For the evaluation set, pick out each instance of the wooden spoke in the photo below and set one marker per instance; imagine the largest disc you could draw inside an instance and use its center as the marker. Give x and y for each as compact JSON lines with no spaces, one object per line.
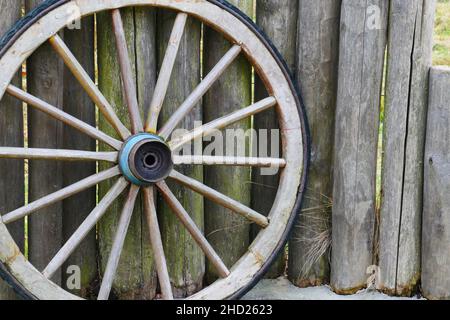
{"x":223,"y":122}
{"x":166,"y":72}
{"x":230,"y":161}
{"x":157,"y":245}
{"x":60,"y":195}
{"x":128,"y":81}
{"x":89,"y":86}
{"x":189,"y":224}
{"x":85,"y":228}
{"x":200,"y":91}
{"x":63,"y":117}
{"x":56,"y":154}
{"x":119,"y":239}
{"x":221,"y":199}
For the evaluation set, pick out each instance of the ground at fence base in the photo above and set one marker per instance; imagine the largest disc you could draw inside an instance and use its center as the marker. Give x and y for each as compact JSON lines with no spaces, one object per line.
{"x":283,"y":289}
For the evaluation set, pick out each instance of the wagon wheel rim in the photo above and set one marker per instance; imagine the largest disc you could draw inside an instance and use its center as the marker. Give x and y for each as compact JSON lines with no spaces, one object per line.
{"x":281,"y":96}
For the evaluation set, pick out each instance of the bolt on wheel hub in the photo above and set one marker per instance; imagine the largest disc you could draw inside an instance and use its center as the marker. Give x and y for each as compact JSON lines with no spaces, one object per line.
{"x":145,"y":159}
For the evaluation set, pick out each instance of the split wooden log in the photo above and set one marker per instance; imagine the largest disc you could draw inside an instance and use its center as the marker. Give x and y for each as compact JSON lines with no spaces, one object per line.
{"x":409,"y":59}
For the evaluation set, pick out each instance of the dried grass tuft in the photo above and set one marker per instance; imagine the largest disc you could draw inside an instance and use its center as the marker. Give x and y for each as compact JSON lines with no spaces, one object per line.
{"x":316,"y":231}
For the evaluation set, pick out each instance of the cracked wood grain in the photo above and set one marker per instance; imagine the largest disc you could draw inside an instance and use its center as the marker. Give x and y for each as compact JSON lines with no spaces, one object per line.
{"x":409,"y":59}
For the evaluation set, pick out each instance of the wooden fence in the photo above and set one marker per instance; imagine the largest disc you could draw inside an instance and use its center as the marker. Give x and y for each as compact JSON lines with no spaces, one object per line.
{"x":363,"y":69}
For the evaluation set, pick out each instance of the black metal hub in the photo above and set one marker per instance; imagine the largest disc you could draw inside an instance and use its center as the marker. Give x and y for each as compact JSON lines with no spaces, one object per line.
{"x":151,"y":161}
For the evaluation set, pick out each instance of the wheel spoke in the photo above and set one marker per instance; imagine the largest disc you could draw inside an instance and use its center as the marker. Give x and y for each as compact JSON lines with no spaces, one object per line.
{"x":189,"y":224}
{"x":221,"y":199}
{"x":87,"y":225}
{"x":129,"y":84}
{"x":60,"y":195}
{"x":157,"y":245}
{"x":200,"y":91}
{"x":89,"y":86}
{"x":56,"y":154}
{"x":63,"y":117}
{"x":230,"y":161}
{"x":223,"y":122}
{"x":166,"y":72}
{"x":119,"y":239}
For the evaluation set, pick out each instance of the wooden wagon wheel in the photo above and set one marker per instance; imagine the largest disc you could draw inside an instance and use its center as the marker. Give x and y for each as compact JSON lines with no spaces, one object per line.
{"x":143,"y":157}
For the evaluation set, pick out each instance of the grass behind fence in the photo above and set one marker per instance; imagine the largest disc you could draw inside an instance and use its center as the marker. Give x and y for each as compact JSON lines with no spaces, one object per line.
{"x":441,"y":49}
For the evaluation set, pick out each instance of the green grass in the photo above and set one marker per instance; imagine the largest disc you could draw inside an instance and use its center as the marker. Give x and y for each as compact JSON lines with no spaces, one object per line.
{"x":441,"y":49}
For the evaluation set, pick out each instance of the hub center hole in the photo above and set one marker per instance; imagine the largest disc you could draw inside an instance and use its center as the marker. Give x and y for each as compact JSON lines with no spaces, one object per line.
{"x":150,"y":160}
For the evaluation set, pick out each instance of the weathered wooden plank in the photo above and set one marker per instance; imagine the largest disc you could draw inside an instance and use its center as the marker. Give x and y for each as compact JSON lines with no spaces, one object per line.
{"x":409,"y":59}
{"x":436,"y":220}
{"x":12,"y":190}
{"x":44,"y":80}
{"x":186,"y":261}
{"x":136,"y":277}
{"x":77,"y":208}
{"x":278,"y":19}
{"x":361,"y":59}
{"x":228,"y":233}
{"x":317,"y":57}
{"x":146,"y":71}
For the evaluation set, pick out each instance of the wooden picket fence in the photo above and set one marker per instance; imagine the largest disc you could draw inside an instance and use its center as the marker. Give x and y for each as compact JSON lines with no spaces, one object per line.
{"x":369,"y":210}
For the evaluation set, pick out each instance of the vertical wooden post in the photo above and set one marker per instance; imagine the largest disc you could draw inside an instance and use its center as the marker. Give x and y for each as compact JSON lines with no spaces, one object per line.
{"x":409,"y":59}
{"x":228,"y":233}
{"x":44,"y":80}
{"x":186,"y":261}
{"x":436,"y":218}
{"x":146,"y":72}
{"x":362,"y":47}
{"x":136,"y":277}
{"x":80,"y":40}
{"x":278,"y":20}
{"x":317,"y":58}
{"x":12,"y":189}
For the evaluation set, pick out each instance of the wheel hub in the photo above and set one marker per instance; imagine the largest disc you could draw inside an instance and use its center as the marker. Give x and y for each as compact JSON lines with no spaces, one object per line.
{"x":145,"y":159}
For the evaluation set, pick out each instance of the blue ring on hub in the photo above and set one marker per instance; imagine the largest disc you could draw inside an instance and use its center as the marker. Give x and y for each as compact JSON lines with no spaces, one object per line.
{"x":125,"y":154}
